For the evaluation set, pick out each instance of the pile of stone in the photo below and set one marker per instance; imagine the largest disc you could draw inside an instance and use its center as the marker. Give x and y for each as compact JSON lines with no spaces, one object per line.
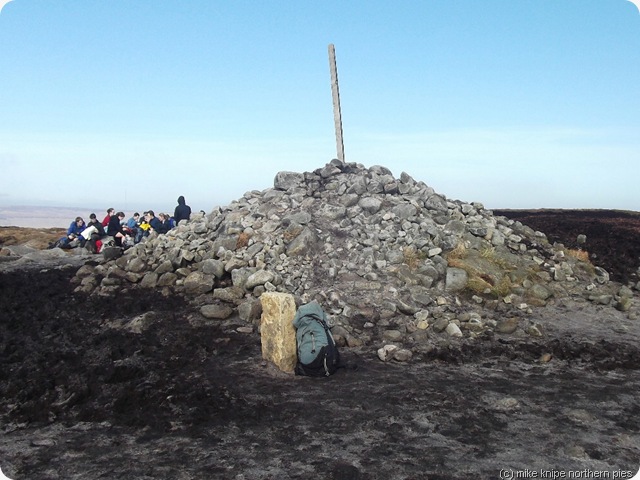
{"x":391,"y":261}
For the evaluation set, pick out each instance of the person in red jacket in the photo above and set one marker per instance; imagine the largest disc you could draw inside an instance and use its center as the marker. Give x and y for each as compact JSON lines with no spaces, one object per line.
{"x":105,"y":221}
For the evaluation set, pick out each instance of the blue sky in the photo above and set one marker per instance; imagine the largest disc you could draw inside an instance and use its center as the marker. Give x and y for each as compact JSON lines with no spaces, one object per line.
{"x":129,"y":104}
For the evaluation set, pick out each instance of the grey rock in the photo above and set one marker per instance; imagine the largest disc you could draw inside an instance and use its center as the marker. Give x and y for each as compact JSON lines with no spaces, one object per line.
{"x":215,"y":311}
{"x":250,"y":310}
{"x":150,"y":280}
{"x":258,"y":278}
{"x":370,"y":205}
{"x":456,"y":279}
{"x":303,"y":243}
{"x":540,"y":292}
{"x":392,"y":335}
{"x":198,"y":283}
{"x":213,"y":267}
{"x":402,"y":355}
{"x":453,"y":330}
{"x":508,"y":325}
{"x":288,"y":180}
{"x":232,"y":294}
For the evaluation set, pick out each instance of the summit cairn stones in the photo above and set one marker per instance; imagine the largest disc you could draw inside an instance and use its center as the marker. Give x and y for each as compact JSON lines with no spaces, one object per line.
{"x":380,"y":254}
{"x":277,"y":334}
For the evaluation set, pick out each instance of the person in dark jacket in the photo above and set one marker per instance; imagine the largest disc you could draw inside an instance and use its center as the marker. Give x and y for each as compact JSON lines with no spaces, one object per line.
{"x":182,"y":211}
{"x":96,"y":233}
{"x":114,"y":228}
{"x":154,"y":223}
{"x":165,"y":223}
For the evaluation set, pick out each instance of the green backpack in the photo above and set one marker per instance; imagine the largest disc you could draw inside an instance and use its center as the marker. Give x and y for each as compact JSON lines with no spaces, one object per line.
{"x":318,"y":355}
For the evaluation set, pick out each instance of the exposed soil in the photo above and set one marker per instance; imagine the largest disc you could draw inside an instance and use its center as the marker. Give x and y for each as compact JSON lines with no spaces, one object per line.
{"x":141,"y":387}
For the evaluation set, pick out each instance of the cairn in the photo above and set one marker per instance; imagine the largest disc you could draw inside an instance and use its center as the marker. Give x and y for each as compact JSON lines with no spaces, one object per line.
{"x":391,"y":261}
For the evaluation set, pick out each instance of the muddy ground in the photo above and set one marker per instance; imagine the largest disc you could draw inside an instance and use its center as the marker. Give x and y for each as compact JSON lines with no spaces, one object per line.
{"x":139,"y":387}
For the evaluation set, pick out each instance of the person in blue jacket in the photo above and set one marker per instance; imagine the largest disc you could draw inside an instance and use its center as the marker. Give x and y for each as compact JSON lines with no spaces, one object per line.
{"x":73,"y":234}
{"x":76,"y":227}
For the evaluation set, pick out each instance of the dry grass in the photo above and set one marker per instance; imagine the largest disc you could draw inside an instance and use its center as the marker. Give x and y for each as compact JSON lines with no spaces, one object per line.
{"x":243,"y":240}
{"x":488,"y":272}
{"x":581,"y":255}
{"x":460,"y":251}
{"x":412,"y":256}
{"x":34,"y":237}
{"x":291,"y":232}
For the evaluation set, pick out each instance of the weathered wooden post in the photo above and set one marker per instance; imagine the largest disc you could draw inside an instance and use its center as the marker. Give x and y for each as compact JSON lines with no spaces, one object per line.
{"x":335,"y":91}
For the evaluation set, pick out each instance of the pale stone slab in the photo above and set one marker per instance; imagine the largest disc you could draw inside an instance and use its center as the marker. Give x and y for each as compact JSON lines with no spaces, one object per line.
{"x":277,"y":334}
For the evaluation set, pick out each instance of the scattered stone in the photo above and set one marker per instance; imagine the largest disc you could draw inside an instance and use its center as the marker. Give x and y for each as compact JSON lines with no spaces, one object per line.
{"x":216,"y":311}
{"x":456,"y":279}
{"x":402,"y":355}
{"x":534,"y":330}
{"x":623,"y":304}
{"x":453,"y":330}
{"x":198,"y":283}
{"x":507,"y":404}
{"x":508,"y":325}
{"x":392,"y":335}
{"x":386,"y":353}
{"x":545,"y":358}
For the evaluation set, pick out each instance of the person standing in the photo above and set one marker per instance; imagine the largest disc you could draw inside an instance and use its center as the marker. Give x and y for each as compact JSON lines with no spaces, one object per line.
{"x":182,"y":211}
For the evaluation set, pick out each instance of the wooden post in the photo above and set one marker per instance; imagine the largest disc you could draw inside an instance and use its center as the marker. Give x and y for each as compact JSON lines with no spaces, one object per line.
{"x":337,"y":115}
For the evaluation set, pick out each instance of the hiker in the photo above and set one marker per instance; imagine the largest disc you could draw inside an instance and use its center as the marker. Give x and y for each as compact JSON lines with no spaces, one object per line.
{"x":165,"y":223}
{"x":143,"y":229}
{"x":93,"y":234}
{"x":154,"y":223}
{"x":114,"y":228}
{"x":132,"y":224}
{"x":182,"y":211}
{"x":105,"y":220}
{"x":73,"y":232}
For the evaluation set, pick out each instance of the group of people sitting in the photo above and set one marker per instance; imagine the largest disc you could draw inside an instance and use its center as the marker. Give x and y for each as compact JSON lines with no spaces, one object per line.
{"x":114,"y":230}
